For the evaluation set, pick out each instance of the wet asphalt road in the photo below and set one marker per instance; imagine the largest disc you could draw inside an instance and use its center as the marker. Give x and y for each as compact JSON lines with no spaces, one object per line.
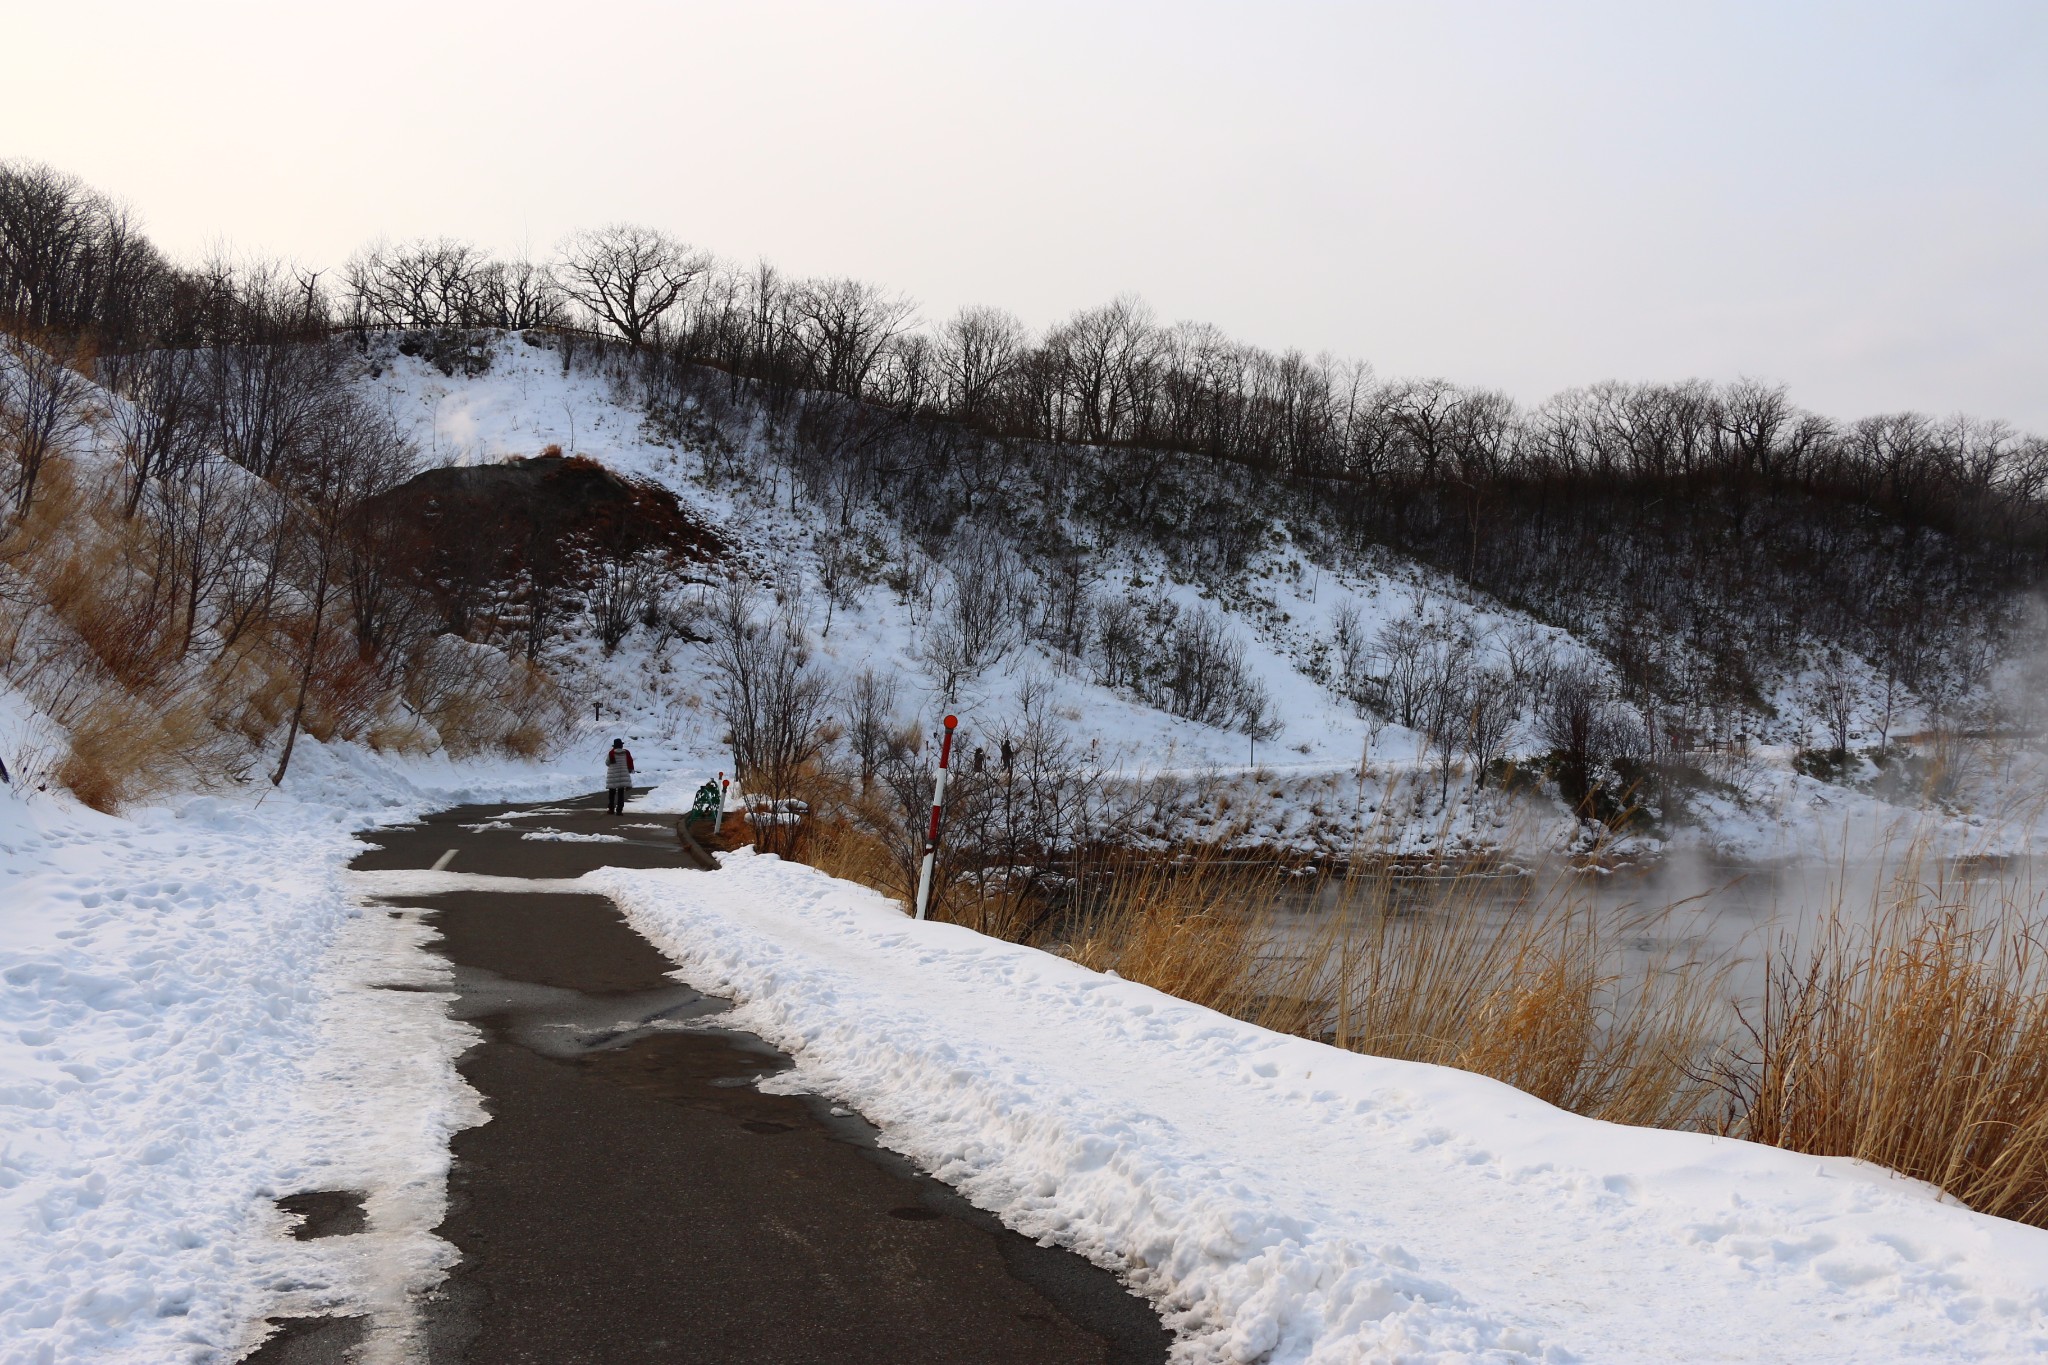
{"x":634,"y":1198}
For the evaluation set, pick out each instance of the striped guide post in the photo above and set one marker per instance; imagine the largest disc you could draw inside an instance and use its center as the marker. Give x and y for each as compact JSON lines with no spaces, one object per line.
{"x":718,"y":820}
{"x":931,"y":834}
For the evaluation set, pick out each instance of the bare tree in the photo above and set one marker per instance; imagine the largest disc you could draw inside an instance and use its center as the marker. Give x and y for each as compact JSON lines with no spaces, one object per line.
{"x":845,"y":327}
{"x":872,"y":730}
{"x":977,"y":622}
{"x":1585,"y":730}
{"x":1120,"y":643}
{"x":1493,"y":704}
{"x":839,"y":573}
{"x":1531,"y":656}
{"x":625,"y":587}
{"x":1066,"y":606}
{"x":519,"y":294}
{"x":209,"y":527}
{"x":45,"y":224}
{"x":978,"y":352}
{"x":1444,"y":716}
{"x":1891,"y":696}
{"x":1417,"y":666}
{"x":259,"y":527}
{"x":1257,"y":718}
{"x":39,"y":397}
{"x":380,"y":563}
{"x":1347,"y":635}
{"x":1103,"y":359}
{"x":264,"y":402}
{"x":427,"y":284}
{"x":775,"y":704}
{"x":1204,"y":677}
{"x":161,"y":423}
{"x":73,"y":261}
{"x":907,"y":378}
{"x":356,"y":455}
{"x":1833,"y":696}
{"x":629,"y":277}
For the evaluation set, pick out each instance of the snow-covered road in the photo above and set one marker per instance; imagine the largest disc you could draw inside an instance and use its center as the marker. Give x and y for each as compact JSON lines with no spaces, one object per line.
{"x":1287,"y":1201}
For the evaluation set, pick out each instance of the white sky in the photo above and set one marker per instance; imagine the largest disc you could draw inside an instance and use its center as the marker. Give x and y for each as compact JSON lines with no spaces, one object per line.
{"x":1852,"y":198}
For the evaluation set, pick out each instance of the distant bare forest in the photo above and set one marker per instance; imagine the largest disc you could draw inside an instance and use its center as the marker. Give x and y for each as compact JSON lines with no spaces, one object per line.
{"x":1708,"y":538}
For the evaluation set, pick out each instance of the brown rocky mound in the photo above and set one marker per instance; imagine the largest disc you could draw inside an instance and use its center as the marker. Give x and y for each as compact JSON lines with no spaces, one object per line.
{"x":484,"y":537}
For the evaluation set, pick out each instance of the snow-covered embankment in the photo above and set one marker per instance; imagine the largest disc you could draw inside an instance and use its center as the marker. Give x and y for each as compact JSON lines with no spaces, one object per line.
{"x":1286,"y":1201}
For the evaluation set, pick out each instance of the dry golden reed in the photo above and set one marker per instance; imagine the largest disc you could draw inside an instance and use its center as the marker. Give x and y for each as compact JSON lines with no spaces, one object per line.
{"x":88,"y":634}
{"x":1912,"y":1032}
{"x":1429,"y":969}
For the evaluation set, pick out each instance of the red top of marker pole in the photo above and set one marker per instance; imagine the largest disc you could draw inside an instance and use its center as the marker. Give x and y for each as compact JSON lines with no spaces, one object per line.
{"x":952,"y":721}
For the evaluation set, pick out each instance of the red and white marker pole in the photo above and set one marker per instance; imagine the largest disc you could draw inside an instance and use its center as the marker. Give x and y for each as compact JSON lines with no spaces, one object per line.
{"x":931,"y":834}
{"x":718,"y":820}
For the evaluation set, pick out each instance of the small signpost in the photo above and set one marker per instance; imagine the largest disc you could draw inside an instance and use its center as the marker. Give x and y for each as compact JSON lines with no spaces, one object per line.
{"x":718,"y":820}
{"x":931,"y":836}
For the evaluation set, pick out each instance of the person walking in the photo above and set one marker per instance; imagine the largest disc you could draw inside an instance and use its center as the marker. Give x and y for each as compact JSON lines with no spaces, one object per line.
{"x":618,"y":777}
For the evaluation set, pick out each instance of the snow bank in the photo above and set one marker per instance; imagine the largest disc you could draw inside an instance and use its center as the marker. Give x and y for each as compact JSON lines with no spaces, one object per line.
{"x":1285,"y":1201}
{"x":189,"y":1027}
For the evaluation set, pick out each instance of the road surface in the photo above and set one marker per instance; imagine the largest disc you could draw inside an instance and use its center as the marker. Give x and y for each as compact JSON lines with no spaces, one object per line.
{"x":634,"y":1198}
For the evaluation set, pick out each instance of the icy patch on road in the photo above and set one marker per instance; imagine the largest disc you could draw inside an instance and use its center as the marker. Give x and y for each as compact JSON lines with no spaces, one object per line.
{"x":564,"y":836}
{"x":406,"y":882}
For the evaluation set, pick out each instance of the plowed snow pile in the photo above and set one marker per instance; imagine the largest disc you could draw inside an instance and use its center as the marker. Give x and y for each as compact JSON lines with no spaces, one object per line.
{"x":193,"y":1021}
{"x":1286,"y":1201}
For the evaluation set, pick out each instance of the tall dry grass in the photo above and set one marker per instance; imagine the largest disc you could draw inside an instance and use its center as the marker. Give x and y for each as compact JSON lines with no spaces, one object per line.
{"x":1535,"y":993}
{"x":1908,"y":1028}
{"x":1542,"y":994}
{"x":81,"y":636}
{"x":88,"y":634}
{"x":1910,"y":1031}
{"x":126,"y":748}
{"x":1201,"y":928}
{"x":850,"y":849}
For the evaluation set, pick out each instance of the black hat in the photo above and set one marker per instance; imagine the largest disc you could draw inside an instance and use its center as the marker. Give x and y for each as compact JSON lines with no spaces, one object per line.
{"x":618,"y":744}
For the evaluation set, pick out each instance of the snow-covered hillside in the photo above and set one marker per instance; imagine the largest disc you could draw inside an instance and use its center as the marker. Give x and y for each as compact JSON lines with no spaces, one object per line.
{"x":1333,"y":777}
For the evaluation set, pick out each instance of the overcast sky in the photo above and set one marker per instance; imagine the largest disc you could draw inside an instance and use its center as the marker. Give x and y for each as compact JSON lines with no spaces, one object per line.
{"x":1851,"y":198}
